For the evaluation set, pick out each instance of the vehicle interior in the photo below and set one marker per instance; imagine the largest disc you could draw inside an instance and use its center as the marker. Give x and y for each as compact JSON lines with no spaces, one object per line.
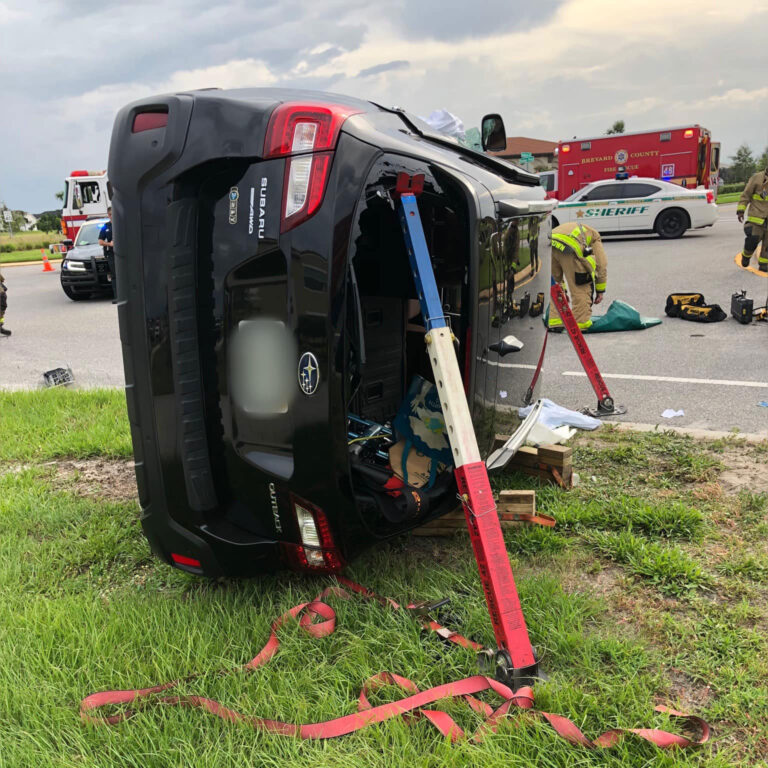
{"x":393,"y":409}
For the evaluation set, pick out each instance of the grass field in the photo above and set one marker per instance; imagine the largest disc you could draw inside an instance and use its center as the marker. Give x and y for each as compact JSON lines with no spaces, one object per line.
{"x":20,"y":239}
{"x":729,"y":197}
{"x":33,"y":255}
{"x":653,"y":588}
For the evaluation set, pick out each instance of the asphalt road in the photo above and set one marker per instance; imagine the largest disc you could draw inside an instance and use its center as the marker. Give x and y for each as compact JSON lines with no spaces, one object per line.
{"x":49,"y":331}
{"x":642,"y":271}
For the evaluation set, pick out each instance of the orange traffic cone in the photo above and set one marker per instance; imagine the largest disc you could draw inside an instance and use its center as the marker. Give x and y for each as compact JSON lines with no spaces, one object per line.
{"x":47,"y":266}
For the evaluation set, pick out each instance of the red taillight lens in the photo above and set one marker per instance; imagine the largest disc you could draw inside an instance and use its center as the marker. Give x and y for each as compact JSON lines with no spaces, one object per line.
{"x":305,"y":180}
{"x":317,"y":551}
{"x":299,"y":132}
{"x":148,"y":121}
{"x":710,"y":196}
{"x":304,"y":128}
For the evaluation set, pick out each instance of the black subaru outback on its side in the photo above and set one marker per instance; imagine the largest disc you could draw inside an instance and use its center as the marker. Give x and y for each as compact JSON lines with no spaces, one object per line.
{"x":269,"y":320}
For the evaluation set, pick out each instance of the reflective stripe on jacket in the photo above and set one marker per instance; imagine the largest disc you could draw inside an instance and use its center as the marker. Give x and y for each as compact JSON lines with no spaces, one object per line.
{"x":755,"y":196}
{"x":574,"y":238}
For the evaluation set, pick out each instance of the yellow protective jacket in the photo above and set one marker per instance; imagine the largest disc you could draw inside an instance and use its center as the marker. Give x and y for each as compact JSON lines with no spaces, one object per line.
{"x":755,"y":196}
{"x":574,"y":237}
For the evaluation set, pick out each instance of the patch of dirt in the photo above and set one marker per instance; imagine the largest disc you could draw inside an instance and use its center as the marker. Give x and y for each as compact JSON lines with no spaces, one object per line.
{"x":689,"y":695}
{"x":112,"y":479}
{"x":744,"y":475}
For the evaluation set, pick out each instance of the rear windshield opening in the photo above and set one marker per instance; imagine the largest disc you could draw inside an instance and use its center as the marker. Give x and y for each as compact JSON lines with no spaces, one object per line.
{"x":389,"y":372}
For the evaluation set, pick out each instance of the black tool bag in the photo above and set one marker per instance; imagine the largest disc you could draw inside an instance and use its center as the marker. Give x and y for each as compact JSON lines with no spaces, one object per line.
{"x":708,"y":313}
{"x":676,"y":300}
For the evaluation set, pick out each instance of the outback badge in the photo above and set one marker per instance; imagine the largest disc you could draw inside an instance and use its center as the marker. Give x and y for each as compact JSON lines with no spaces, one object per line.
{"x":309,"y":374}
{"x":234,"y":196}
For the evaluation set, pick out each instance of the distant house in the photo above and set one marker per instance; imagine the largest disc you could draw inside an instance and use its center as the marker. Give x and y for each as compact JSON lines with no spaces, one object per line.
{"x":543,"y":152}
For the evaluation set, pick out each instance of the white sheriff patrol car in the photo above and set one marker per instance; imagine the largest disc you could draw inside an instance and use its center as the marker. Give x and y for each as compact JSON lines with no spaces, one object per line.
{"x":637,"y":205}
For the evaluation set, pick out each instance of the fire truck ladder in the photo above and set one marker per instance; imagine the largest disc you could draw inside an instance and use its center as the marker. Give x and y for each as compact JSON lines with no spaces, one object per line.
{"x":515,"y":660}
{"x":605,"y":403}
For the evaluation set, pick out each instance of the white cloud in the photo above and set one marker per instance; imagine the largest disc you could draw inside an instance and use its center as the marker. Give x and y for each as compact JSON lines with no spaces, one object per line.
{"x":571,"y":69}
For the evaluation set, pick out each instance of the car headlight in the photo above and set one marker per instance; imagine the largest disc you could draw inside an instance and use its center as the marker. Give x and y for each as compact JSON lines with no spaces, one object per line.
{"x":73,"y":266}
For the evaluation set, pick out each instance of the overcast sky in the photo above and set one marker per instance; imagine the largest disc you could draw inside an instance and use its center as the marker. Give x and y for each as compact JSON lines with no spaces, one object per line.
{"x":553,"y":68}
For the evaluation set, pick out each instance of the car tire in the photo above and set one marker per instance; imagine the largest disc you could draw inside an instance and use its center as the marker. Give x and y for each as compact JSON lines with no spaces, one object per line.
{"x":73,"y":294}
{"x":672,"y":223}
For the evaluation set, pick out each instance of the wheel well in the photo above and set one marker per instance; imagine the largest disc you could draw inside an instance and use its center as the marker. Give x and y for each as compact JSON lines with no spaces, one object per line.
{"x":555,"y":222}
{"x":673,"y":208}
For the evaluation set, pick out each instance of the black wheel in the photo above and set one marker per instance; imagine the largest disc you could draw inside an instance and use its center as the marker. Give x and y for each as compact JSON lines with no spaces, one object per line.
{"x":74,"y":295}
{"x":671,"y":223}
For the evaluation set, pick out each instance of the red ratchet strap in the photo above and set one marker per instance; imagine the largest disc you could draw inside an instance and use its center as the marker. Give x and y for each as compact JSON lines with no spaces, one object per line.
{"x":318,"y":619}
{"x":579,"y":342}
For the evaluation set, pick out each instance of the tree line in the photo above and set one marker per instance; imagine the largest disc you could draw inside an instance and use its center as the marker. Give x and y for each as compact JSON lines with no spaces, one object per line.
{"x":744,"y":164}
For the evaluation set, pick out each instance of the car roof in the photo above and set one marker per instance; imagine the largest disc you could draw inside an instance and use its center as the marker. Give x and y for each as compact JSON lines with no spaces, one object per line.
{"x":642,"y":180}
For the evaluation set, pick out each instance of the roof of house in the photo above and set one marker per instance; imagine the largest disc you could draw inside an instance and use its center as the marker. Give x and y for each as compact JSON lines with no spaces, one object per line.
{"x":519,"y":144}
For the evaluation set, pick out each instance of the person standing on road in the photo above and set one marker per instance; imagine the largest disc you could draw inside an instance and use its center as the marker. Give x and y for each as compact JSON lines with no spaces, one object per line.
{"x":578,"y":256}
{"x":105,"y":241}
{"x":3,"y":306}
{"x":754,"y":204}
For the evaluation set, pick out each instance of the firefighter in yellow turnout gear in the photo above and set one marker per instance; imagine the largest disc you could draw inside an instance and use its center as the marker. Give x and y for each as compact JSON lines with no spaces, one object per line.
{"x":579,"y":257}
{"x":754,"y":205}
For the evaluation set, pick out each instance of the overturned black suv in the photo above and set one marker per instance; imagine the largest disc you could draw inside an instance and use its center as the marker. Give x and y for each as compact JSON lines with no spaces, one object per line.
{"x":269,"y":322}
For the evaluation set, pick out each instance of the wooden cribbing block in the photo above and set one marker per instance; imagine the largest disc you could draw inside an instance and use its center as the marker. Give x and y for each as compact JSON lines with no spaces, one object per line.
{"x":539,"y":462}
{"x":509,"y":502}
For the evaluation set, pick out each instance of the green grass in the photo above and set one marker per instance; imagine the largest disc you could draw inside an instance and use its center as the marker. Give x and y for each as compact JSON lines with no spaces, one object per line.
{"x":728,"y":197}
{"x":652,"y":589}
{"x":51,"y":423}
{"x":34,"y":255}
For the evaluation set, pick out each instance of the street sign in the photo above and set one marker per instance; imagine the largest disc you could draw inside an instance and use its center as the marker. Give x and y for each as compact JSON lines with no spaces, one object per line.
{"x":526,"y":157}
{"x":8,"y":216}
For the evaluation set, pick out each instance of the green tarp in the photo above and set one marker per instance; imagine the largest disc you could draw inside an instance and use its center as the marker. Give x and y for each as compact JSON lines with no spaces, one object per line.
{"x":619,"y":317}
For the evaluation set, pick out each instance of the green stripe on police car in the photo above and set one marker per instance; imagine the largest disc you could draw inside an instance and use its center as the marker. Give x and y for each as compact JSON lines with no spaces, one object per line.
{"x":635,"y":210}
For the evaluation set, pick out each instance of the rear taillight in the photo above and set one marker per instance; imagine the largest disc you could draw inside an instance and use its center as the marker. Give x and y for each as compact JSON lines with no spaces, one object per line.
{"x":317,"y":551}
{"x":300,"y":132}
{"x":149,"y":121}
{"x":710,"y":196}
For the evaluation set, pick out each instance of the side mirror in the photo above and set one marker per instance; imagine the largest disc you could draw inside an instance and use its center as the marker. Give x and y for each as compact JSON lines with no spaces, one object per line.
{"x":506,"y":345}
{"x":493,"y":133}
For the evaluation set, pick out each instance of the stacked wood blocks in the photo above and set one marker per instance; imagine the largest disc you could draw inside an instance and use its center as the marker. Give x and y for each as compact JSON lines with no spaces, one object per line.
{"x":553,"y":463}
{"x":509,"y":503}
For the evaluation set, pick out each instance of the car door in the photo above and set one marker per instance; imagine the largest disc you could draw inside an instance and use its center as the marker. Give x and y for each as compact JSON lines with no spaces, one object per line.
{"x":639,"y":206}
{"x":601,"y":206}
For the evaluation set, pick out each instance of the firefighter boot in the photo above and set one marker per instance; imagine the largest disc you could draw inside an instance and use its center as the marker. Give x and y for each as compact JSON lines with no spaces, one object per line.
{"x":763,"y":266}
{"x":4,"y":331}
{"x":745,"y":259}
{"x":538,"y":306}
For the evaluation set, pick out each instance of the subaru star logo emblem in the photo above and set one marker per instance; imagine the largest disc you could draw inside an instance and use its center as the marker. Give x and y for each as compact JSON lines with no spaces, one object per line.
{"x":309,"y":373}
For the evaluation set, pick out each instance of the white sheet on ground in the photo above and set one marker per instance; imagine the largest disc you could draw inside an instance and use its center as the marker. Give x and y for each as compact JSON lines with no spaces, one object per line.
{"x":553,"y":415}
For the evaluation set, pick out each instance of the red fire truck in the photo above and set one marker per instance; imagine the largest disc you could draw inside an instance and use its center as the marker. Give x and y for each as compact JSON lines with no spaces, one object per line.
{"x":86,"y":196}
{"x":686,"y":156}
